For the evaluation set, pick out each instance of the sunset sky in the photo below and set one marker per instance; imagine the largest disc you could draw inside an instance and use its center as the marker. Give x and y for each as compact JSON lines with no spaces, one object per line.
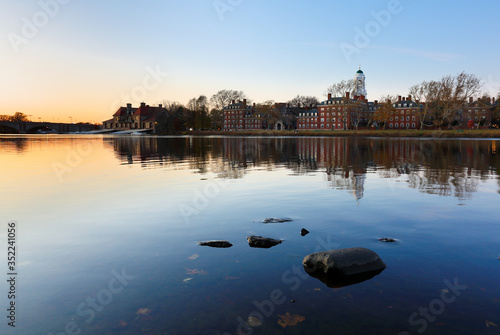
{"x":84,"y":58}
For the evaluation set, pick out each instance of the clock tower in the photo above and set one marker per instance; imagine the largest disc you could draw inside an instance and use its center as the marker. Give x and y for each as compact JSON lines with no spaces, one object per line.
{"x":359,"y":85}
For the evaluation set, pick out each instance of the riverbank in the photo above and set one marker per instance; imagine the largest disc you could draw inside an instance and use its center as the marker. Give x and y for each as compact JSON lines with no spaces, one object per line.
{"x":481,"y":133}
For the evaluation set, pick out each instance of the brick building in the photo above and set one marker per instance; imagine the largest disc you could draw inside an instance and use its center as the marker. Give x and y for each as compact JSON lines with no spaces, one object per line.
{"x":239,"y":116}
{"x":350,"y":111}
{"x":129,"y":118}
{"x":479,"y":111}
{"x":406,"y":114}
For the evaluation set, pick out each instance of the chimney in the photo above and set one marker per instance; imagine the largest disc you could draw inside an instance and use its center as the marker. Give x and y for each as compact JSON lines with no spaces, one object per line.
{"x":399,"y":98}
{"x":418,"y":102}
{"x":143,"y":104}
{"x":493,"y":100}
{"x":409,"y":97}
{"x":254,"y":104}
{"x":329,"y":96}
{"x":489,"y":100}
{"x":376,"y":102}
{"x":471,"y":100}
{"x":160,"y":105}
{"x":347,"y":95}
{"x":244,"y":102}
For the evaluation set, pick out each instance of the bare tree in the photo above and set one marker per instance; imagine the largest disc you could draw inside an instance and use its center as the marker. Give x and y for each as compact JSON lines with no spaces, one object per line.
{"x":339,"y":89}
{"x":454,"y":91}
{"x":385,"y":111}
{"x":303,"y":101}
{"x":269,"y":112}
{"x":19,"y":117}
{"x":223,"y":98}
{"x":427,"y":91}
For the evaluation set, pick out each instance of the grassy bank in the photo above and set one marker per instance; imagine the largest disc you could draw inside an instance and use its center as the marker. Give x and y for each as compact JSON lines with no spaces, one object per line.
{"x":483,"y":133}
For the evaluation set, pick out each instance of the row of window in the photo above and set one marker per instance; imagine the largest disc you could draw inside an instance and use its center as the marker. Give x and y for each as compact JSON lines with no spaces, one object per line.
{"x":323,"y":126}
{"x":397,"y":125}
{"x":128,"y":125}
{"x":396,"y":118}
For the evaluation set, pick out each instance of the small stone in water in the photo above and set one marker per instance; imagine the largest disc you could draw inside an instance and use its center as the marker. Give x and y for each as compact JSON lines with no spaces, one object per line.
{"x":387,"y":239}
{"x":254,"y":321}
{"x":304,"y":232}
{"x":276,"y":220}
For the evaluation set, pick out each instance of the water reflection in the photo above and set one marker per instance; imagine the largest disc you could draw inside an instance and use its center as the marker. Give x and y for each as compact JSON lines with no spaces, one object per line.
{"x":442,"y":167}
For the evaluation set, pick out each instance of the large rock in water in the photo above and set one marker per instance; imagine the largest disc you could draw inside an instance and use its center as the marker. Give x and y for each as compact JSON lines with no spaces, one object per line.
{"x":216,"y":244}
{"x":342,"y":267}
{"x":262,"y":242}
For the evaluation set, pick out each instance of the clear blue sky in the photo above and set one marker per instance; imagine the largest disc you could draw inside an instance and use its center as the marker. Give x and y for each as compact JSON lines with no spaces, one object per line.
{"x":86,"y":55}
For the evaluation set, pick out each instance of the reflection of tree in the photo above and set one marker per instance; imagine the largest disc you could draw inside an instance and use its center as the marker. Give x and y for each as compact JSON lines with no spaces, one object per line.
{"x":442,"y":167}
{"x":13,"y":144}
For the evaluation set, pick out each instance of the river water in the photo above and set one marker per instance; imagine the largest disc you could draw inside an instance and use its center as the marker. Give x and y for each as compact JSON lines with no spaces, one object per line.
{"x":107,"y":231}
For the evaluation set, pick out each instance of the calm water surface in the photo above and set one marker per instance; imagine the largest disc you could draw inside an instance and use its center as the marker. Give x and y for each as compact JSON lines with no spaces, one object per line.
{"x":108,"y":231}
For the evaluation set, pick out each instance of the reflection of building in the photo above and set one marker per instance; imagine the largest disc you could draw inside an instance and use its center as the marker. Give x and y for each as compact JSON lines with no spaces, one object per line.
{"x":127,"y":118}
{"x":359,"y":185}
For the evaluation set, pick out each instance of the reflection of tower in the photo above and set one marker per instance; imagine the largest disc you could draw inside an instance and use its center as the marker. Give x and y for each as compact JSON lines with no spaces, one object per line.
{"x":359,"y":84}
{"x":359,"y":185}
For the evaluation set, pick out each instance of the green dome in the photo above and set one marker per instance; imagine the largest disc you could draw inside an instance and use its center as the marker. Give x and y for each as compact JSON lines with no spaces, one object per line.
{"x":359,"y":71}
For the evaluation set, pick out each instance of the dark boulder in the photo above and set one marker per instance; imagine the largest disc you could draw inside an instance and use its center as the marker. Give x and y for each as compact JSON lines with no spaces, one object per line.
{"x":343,"y":267}
{"x":304,"y":232}
{"x":262,"y":242}
{"x":216,"y":244}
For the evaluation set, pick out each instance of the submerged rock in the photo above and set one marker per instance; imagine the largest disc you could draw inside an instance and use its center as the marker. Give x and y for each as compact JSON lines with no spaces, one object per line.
{"x":262,"y":242}
{"x":304,"y":232}
{"x":216,"y":244}
{"x":276,"y":220}
{"x":343,"y":267}
{"x":387,"y":239}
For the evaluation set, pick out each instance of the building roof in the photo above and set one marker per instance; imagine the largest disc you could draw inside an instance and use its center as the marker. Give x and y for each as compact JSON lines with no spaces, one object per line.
{"x":123,"y":111}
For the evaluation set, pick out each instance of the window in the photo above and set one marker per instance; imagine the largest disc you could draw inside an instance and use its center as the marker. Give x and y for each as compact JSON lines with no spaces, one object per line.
{"x":322,"y":125}
{"x":322,"y":119}
{"x":397,"y":118}
{"x":407,"y":118}
{"x":391,"y":118}
{"x":413,"y":125}
{"x":413,"y":118}
{"x":396,"y":125}
{"x":390,"y":125}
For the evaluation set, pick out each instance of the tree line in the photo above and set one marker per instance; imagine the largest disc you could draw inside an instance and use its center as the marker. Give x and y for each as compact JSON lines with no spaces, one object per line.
{"x":17,"y":117}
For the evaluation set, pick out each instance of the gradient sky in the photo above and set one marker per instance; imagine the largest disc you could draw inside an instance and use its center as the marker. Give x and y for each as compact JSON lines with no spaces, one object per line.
{"x":88,"y":57}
